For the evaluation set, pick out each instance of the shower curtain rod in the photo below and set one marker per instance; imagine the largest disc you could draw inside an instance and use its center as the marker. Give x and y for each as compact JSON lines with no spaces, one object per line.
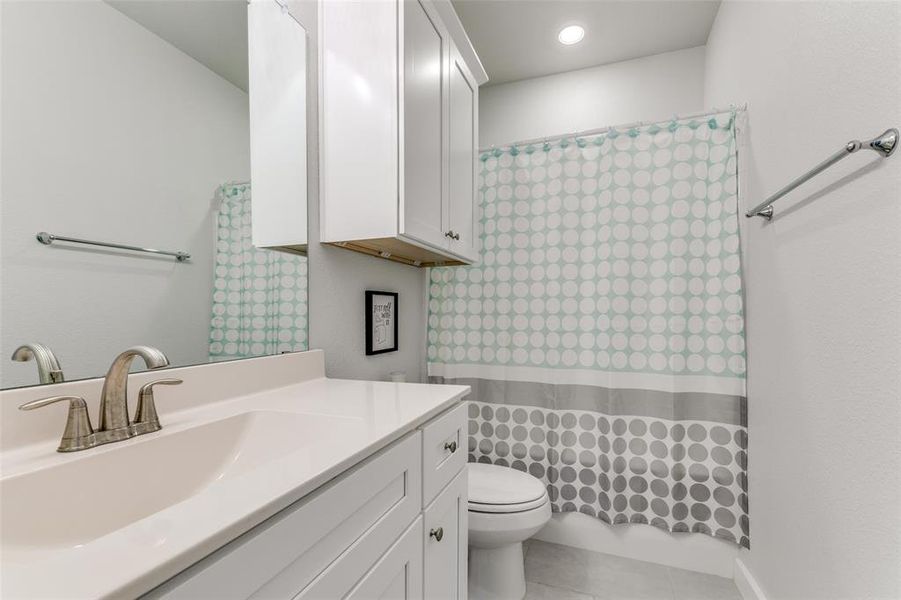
{"x":598,"y":131}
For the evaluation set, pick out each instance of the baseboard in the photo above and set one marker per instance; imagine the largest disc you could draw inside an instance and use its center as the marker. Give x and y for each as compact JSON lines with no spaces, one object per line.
{"x":745,"y":582}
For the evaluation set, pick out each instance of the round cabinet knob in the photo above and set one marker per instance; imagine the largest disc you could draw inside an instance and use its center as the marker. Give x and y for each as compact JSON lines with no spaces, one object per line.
{"x":449,"y":233}
{"x":456,"y":236}
{"x":452,"y":446}
{"x":437,"y":533}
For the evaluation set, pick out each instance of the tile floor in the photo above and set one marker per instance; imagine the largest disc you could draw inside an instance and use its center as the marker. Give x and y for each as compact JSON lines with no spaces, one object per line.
{"x":556,"y":572}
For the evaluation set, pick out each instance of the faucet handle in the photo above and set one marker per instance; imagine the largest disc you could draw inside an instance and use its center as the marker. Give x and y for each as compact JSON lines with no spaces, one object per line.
{"x":146,"y":419}
{"x":78,"y":434}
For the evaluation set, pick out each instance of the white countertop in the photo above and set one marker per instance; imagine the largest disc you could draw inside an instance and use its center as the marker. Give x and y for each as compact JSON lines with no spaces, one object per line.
{"x":133,"y":560}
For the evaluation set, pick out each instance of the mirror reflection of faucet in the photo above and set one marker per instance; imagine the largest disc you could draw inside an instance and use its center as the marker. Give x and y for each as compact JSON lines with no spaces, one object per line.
{"x":114,"y":425}
{"x":49,"y":369}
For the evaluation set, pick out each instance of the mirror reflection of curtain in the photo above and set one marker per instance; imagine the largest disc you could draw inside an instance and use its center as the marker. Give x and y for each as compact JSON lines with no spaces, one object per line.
{"x":602,"y":331}
{"x":259,"y":304}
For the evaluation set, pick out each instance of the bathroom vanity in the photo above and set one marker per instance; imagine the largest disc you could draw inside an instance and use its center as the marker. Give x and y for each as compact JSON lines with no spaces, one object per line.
{"x":267,"y":480}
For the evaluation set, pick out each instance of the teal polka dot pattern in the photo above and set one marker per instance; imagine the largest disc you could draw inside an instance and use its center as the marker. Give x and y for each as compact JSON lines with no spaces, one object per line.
{"x":618,"y":252}
{"x":259,"y":296}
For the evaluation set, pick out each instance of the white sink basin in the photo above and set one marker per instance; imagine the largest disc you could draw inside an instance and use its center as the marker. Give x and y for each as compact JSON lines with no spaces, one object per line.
{"x":73,"y":503}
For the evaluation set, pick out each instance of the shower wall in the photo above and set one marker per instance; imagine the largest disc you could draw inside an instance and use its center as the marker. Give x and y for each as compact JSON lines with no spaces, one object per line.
{"x":653,"y":87}
{"x":823,"y":283}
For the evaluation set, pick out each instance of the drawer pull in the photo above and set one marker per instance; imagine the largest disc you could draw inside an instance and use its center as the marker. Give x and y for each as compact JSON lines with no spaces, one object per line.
{"x":452,"y":446}
{"x":438,"y":534}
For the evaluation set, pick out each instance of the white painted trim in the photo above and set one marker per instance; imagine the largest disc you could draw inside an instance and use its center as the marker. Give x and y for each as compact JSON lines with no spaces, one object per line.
{"x":745,"y":582}
{"x":608,"y":379}
{"x":461,"y":39}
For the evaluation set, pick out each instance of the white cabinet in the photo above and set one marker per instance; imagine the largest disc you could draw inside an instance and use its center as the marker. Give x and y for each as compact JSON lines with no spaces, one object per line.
{"x":395,"y":572}
{"x":397,"y":575}
{"x":366,"y":534}
{"x":398,"y":131}
{"x":278,"y":127}
{"x":443,"y":451}
{"x":446,"y":539}
{"x":424,"y":109}
{"x":462,"y":135}
{"x":322,"y":543}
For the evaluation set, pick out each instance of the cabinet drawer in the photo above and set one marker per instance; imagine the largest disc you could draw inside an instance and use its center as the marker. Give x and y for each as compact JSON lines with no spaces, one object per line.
{"x":444,"y":564}
{"x":443,"y":451}
{"x":351,"y":520}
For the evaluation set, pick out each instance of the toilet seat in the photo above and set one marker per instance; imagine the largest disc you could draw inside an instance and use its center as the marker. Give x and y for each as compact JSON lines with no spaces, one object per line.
{"x":507,"y":508}
{"x":503,"y":490}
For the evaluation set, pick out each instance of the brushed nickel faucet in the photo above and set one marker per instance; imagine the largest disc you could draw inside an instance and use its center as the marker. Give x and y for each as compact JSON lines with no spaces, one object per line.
{"x":114,"y":425}
{"x":114,"y":422}
{"x":49,"y":370}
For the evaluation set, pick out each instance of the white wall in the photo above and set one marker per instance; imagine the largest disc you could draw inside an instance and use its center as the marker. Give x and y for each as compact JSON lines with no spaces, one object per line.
{"x":338,"y":277}
{"x":649,"y":88}
{"x":109,"y":133}
{"x":823,"y":283}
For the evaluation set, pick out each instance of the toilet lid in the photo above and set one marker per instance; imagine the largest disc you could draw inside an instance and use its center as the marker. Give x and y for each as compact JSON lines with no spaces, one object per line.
{"x":496,"y":489}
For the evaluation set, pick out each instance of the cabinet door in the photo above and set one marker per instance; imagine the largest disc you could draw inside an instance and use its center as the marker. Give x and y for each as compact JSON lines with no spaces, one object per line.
{"x":446,"y":538}
{"x":423,"y":126}
{"x":398,"y":574}
{"x":277,"y":63}
{"x":359,"y":145}
{"x":462,"y":135}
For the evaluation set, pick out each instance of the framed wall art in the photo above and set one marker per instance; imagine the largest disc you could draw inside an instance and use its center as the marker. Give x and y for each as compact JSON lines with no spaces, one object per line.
{"x":381,"y":322}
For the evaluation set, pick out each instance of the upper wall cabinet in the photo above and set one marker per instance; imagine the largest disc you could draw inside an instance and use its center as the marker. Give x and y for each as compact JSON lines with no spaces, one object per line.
{"x":399,"y":131}
{"x":277,"y":63}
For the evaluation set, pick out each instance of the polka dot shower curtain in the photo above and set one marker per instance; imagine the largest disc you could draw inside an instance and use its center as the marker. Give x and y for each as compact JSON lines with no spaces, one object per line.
{"x":602,"y":332}
{"x":259,"y":296}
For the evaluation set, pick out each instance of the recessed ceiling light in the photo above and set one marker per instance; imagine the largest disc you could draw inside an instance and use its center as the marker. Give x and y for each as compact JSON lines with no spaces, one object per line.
{"x":571,"y":34}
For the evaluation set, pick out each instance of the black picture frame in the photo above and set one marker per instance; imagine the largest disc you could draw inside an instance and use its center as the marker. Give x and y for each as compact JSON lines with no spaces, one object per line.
{"x":372,"y":337}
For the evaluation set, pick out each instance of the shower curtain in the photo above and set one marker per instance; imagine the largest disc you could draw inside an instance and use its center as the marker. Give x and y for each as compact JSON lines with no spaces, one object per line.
{"x":602,"y":331}
{"x":259,"y":296}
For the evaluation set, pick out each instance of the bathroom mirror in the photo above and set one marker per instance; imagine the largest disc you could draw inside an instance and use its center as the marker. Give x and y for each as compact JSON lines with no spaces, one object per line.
{"x":138,"y":127}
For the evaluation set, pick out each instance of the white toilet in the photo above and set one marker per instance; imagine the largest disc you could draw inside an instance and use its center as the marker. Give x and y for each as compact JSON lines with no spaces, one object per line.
{"x":506,"y":507}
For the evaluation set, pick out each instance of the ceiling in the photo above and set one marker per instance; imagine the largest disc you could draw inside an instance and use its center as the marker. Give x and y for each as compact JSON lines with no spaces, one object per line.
{"x":517,"y":39}
{"x":213,"y":33}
